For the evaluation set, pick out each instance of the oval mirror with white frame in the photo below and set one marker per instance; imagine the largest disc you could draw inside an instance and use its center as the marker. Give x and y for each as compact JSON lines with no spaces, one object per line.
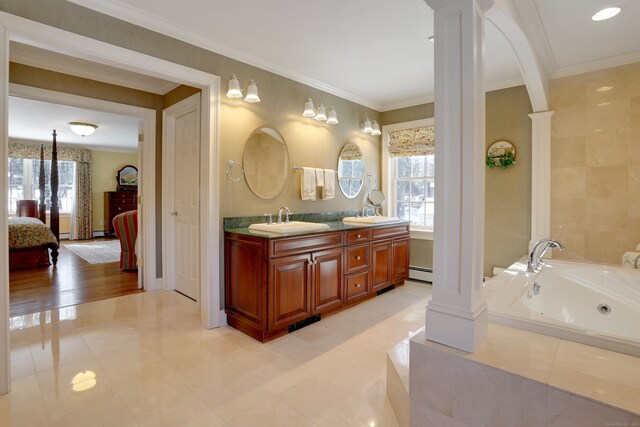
{"x":351,"y":170}
{"x":265,"y":162}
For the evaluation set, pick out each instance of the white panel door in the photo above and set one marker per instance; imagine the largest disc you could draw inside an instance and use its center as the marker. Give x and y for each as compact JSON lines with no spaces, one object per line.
{"x":187,"y":202}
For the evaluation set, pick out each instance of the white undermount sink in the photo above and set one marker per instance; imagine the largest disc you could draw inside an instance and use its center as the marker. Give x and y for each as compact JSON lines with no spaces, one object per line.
{"x":370,"y":219}
{"x":289,"y":227}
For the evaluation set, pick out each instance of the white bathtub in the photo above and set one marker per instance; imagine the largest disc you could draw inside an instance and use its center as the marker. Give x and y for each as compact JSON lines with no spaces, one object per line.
{"x":588,"y":303}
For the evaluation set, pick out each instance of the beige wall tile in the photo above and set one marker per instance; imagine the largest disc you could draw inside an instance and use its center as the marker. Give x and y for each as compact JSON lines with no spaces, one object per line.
{"x":607,"y":125}
{"x":609,"y":182}
{"x":569,"y":183}
{"x":568,"y":152}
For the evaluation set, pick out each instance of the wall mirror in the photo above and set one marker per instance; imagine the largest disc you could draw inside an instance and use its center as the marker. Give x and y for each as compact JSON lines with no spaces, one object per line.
{"x":351,"y":170}
{"x":265,"y":162}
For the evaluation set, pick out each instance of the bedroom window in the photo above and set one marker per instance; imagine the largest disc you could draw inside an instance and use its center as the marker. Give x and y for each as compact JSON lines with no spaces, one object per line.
{"x":24,"y":182}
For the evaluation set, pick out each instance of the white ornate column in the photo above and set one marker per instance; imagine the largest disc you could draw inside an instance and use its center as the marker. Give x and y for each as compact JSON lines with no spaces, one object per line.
{"x":4,"y":239}
{"x":457,"y":314}
{"x":540,"y":176}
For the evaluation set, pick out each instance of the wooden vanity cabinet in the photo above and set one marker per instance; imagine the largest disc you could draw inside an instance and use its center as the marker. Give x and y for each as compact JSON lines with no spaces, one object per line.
{"x":271,"y":284}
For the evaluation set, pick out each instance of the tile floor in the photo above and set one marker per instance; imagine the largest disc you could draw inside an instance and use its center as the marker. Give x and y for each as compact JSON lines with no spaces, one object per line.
{"x":144,"y":360}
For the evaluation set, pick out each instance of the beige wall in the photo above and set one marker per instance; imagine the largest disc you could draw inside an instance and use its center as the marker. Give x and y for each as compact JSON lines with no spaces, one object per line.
{"x":104,"y":169}
{"x":595,"y":164}
{"x":508,"y":192}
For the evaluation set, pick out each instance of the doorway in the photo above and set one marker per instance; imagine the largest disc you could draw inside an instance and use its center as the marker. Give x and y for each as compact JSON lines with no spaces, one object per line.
{"x":13,"y":27}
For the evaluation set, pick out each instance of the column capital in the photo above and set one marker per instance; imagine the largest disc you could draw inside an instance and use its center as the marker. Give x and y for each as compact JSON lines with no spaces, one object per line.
{"x":435,"y":4}
{"x":541,"y":114}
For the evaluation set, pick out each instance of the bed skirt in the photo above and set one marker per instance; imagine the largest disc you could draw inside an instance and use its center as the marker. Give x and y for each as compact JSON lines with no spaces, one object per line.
{"x":29,"y":258}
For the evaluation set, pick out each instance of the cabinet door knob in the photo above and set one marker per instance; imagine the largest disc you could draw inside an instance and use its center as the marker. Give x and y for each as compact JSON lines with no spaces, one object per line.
{"x":358,"y":285}
{"x":358,"y":257}
{"x":358,"y":236}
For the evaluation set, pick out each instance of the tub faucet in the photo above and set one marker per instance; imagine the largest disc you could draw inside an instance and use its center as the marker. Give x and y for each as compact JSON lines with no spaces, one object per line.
{"x":287,"y":213}
{"x":534,"y":261}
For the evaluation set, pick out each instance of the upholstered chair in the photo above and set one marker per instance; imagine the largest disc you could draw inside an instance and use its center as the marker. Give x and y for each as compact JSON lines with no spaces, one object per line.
{"x":126,"y":228}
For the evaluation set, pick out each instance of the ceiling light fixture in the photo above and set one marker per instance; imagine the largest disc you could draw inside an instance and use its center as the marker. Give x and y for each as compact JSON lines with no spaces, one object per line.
{"x":82,"y":128}
{"x":235,"y":91}
{"x":320,"y":113}
{"x":606,"y":13}
{"x":372,"y":128}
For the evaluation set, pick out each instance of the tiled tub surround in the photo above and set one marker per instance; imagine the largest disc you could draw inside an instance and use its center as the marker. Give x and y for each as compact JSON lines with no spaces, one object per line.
{"x":518,"y":378}
{"x":595,"y":163}
{"x":567,"y":303}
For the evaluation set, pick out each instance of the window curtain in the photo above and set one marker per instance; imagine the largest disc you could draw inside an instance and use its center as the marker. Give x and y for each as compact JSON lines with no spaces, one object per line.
{"x":412,"y":142}
{"x":82,"y":215}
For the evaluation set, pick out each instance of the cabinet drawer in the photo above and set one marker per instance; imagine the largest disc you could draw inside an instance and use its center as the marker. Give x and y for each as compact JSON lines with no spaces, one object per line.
{"x":386,"y":232}
{"x":357,"y":285}
{"x":357,"y":258}
{"x":358,"y":236}
{"x":295,"y":245}
{"x":124,"y":197}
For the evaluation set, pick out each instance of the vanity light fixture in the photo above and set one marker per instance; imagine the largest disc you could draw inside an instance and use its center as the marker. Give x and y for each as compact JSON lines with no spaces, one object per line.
{"x":82,"y":128}
{"x":235,"y":91}
{"x":320,"y":113}
{"x":606,"y":13}
{"x":372,"y":128}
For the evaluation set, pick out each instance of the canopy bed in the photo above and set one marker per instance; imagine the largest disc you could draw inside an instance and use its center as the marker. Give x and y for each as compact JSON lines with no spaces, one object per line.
{"x":30,"y":239}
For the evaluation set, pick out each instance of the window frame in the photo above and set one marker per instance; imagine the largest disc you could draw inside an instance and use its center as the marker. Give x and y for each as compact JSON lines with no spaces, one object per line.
{"x":388,"y":187}
{"x":28,"y":188}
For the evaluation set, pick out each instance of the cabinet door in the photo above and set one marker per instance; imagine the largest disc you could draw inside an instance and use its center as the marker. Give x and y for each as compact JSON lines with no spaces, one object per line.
{"x":380,"y":264}
{"x":289,"y":290}
{"x":400,"y":254}
{"x":327,"y":280}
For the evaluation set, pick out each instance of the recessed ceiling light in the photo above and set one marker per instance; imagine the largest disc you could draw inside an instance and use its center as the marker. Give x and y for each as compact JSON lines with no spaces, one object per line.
{"x":607,"y":13}
{"x":432,"y":39}
{"x":604,"y":88}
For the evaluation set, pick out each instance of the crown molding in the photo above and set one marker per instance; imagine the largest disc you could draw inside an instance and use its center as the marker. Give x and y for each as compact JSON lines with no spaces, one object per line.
{"x":119,"y":10}
{"x":601,"y":64}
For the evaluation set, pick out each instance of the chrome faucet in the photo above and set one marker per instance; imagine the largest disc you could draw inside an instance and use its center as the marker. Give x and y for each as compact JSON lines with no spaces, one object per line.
{"x":287,"y":213}
{"x":364,"y":208}
{"x":534,"y":261}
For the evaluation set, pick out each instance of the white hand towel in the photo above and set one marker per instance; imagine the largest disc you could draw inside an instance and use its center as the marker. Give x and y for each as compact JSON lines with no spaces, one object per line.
{"x":308,"y":184}
{"x":320,"y":177}
{"x":329,"y":189}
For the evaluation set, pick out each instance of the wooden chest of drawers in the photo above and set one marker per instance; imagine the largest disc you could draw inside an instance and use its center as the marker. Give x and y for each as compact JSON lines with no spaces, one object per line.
{"x":117,"y":202}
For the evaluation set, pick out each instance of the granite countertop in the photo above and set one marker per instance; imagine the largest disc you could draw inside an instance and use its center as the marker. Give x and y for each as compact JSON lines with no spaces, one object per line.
{"x":333,"y":226}
{"x":332,"y":219}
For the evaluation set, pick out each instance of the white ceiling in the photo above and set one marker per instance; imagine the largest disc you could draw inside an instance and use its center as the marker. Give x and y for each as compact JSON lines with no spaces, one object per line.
{"x":35,"y":121}
{"x":376,"y":52}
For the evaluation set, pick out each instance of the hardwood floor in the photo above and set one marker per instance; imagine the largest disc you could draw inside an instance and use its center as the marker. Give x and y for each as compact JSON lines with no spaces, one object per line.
{"x":72,"y":281}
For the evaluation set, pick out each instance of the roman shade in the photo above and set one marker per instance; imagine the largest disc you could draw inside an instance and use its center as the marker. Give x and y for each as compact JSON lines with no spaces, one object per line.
{"x":412,"y":142}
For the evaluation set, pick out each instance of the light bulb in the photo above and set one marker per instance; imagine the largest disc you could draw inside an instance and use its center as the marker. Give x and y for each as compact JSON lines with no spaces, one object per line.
{"x":321,"y":116}
{"x":252,"y":92}
{"x":332,"y":116}
{"x":309,"y":111}
{"x":234,"y":88}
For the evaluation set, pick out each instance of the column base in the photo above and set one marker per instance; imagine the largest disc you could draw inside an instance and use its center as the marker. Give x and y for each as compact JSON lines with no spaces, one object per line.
{"x":455,"y":331}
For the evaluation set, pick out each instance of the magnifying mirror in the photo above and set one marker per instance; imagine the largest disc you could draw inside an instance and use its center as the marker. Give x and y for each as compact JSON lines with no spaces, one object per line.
{"x":376,"y":199}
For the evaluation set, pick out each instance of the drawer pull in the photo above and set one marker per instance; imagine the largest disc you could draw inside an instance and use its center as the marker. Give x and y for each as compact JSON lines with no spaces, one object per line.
{"x":358,"y":236}
{"x":358,"y":285}
{"x":119,"y":209}
{"x":358,"y":257}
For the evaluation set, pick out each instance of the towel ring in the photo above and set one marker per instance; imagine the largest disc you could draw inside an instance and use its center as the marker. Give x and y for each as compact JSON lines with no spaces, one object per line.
{"x":234,"y":171}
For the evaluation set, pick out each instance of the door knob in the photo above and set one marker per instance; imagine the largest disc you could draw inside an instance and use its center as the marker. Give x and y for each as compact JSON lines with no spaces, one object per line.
{"x":174,"y":213}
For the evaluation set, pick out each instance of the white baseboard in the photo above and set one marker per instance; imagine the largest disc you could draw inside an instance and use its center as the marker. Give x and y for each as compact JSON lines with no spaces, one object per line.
{"x":421,"y":273}
{"x":223,"y":318}
{"x":98,"y":234}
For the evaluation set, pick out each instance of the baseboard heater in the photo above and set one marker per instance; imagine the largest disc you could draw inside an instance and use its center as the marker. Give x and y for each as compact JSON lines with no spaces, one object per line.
{"x":306,"y":322}
{"x":423,"y":274}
